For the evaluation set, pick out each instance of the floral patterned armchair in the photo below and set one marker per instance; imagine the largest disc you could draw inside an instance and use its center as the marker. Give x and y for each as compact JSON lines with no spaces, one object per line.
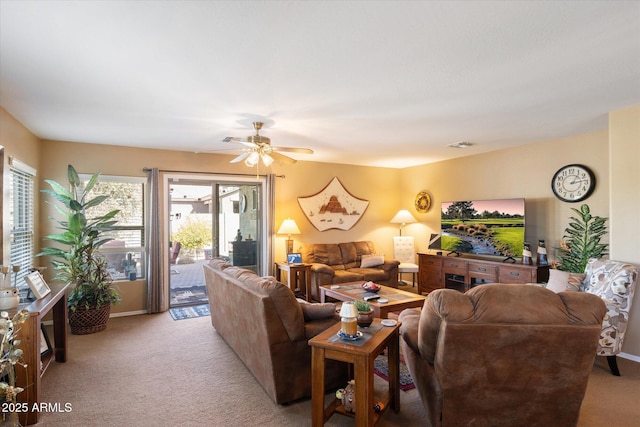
{"x":615,"y":283}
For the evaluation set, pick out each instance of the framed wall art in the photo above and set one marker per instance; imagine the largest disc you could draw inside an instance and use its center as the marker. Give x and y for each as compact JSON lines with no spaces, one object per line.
{"x":333,"y":207}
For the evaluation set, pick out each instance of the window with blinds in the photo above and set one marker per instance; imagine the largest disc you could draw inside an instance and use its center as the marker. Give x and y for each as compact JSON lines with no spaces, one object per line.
{"x":21,"y":202}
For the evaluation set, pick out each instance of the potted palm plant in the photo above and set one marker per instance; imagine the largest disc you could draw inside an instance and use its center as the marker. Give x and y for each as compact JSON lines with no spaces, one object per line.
{"x":581,"y":241}
{"x":79,"y":261}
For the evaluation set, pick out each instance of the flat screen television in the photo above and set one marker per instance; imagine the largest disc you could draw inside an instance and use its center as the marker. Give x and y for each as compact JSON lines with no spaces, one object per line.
{"x":482,"y":227}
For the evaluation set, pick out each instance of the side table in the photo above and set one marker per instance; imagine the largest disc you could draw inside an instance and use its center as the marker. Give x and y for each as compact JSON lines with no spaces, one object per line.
{"x":298,"y":275}
{"x":325,"y":346}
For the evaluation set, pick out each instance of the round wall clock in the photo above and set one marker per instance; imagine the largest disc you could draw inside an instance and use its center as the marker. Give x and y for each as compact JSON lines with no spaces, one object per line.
{"x":423,"y":202}
{"x":573,"y":183}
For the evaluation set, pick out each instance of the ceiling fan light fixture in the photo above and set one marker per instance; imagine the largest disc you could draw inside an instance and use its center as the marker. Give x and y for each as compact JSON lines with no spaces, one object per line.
{"x":267,"y":160}
{"x":252,"y":159}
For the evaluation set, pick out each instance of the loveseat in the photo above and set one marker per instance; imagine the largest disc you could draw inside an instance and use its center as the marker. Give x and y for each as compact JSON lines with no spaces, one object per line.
{"x":333,"y":263}
{"x":502,"y":354}
{"x":268,"y":329}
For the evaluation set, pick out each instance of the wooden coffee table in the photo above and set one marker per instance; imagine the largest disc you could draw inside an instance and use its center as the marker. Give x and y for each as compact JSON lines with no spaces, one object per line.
{"x":326,"y":346}
{"x":398,"y":300}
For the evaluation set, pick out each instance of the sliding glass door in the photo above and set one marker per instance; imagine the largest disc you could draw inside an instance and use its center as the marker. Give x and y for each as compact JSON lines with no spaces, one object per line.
{"x":212,"y":217}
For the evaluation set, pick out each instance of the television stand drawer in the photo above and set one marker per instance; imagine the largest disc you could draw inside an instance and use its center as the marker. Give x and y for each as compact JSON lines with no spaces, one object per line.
{"x":483,"y":271}
{"x":515,"y":274}
{"x":455,"y":266}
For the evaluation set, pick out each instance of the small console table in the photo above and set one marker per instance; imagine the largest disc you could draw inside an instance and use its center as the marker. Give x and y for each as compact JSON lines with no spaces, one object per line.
{"x":462,"y":273}
{"x":30,"y":340}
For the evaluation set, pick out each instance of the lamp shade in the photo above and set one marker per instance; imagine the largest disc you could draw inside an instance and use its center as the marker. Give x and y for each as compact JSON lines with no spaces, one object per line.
{"x":348,"y":310}
{"x":403,"y":217}
{"x":289,"y":227}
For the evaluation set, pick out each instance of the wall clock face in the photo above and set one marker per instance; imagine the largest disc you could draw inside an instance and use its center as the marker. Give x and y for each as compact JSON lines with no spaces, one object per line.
{"x":423,"y":202}
{"x":573,"y":183}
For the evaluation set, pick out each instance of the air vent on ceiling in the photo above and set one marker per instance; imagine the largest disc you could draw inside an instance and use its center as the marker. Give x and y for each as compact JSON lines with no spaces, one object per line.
{"x":461,"y":144}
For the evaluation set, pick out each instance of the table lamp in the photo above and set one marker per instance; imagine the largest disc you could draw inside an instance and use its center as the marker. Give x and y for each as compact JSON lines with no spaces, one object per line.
{"x":289,"y":227}
{"x":403,"y":217}
{"x":349,"y":318}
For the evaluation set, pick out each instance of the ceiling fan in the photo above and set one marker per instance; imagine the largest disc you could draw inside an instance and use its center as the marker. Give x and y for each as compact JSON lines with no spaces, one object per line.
{"x":258,"y":147}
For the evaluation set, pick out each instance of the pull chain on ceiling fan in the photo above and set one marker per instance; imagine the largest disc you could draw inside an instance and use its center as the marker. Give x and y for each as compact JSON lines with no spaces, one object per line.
{"x":259,"y":147}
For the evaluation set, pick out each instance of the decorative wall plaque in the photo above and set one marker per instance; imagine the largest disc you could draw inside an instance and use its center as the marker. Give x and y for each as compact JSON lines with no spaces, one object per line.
{"x":333,"y":207}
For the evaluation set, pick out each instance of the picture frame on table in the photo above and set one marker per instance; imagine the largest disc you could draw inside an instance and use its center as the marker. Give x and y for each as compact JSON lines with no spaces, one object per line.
{"x":36,"y":283}
{"x":45,"y":344}
{"x":294,"y":258}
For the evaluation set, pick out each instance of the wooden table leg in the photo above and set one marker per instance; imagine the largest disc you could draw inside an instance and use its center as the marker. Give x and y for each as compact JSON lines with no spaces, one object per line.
{"x":60,"y":320}
{"x":364,"y":391}
{"x":394,"y":371}
{"x":317,"y":386}
{"x":307,"y":283}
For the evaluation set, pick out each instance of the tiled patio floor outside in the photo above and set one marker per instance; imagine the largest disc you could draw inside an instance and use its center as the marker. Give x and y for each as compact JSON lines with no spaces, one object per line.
{"x":187,"y":284}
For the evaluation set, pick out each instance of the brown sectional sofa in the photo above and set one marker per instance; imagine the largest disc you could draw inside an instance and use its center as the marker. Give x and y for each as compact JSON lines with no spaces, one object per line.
{"x":333,"y":263}
{"x":265,"y":325}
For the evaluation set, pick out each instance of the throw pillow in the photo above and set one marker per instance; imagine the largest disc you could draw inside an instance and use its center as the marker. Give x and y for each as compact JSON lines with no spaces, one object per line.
{"x":316,"y":311}
{"x":561,"y":281}
{"x":575,"y":281}
{"x":371,"y":260}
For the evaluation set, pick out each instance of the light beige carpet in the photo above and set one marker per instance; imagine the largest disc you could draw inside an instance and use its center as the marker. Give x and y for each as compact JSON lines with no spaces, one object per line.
{"x":150,"y":370}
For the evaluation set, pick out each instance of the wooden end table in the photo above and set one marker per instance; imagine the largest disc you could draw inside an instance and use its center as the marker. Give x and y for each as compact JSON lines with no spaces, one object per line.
{"x":298,"y":275}
{"x":397,"y":300}
{"x":325,"y":346}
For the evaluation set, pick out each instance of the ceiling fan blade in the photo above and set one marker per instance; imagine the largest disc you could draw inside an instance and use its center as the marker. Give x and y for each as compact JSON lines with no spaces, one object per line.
{"x":240,"y":141}
{"x":233,"y":138}
{"x":241,"y":157}
{"x":282,"y":158}
{"x":293,"y":150}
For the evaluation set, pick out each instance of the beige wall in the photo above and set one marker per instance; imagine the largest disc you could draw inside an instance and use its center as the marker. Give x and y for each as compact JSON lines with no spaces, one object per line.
{"x":19,"y":143}
{"x":524,"y":171}
{"x":624,"y":162}
{"x":378,"y":185}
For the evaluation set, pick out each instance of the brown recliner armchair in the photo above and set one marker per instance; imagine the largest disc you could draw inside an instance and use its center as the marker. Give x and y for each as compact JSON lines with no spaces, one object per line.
{"x":502,"y":354}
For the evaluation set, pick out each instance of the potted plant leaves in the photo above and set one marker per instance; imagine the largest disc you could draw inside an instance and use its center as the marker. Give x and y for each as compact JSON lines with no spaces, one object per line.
{"x":77,"y":259}
{"x":581,"y":241}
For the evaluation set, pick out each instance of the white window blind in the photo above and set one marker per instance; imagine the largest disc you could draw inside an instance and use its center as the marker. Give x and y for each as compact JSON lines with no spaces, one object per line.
{"x":21,"y":203}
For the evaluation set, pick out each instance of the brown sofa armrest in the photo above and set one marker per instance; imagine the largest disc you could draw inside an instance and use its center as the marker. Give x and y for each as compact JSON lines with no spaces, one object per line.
{"x":390,"y":265}
{"x":410,"y":319}
{"x":314,"y":327}
{"x":322,"y":268}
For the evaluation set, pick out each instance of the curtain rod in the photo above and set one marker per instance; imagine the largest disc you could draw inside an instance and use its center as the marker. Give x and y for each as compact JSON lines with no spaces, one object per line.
{"x":205,"y":172}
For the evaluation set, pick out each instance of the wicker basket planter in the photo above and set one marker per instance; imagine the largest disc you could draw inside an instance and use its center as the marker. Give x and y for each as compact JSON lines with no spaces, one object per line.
{"x":88,"y":321}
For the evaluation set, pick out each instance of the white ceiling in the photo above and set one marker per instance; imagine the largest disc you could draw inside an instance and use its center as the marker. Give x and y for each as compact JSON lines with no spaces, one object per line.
{"x":368,"y":83}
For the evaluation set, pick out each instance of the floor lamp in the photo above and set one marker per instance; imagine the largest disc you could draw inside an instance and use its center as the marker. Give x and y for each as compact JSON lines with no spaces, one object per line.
{"x":403,"y":217}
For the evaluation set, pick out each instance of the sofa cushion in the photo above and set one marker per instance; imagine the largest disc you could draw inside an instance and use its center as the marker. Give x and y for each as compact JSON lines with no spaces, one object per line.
{"x":344,"y":276}
{"x":323,"y":253}
{"x":352,"y":252}
{"x":371,"y":274}
{"x":283,"y":299}
{"x":315,"y":311}
{"x":372,"y":260}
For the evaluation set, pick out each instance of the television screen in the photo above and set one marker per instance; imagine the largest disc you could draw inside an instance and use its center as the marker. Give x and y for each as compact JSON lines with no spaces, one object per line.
{"x":483,"y":227}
